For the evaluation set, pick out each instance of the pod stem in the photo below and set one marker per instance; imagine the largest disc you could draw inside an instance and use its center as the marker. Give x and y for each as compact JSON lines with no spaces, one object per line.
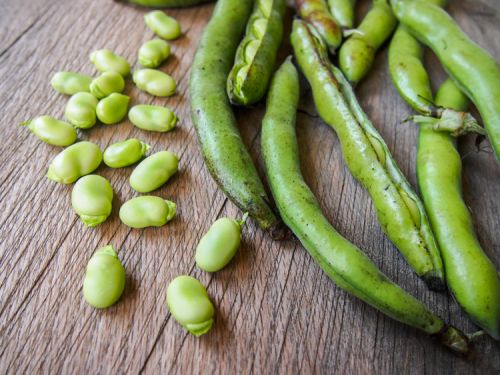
{"x":455,"y":123}
{"x":242,"y":221}
{"x":454,"y":339}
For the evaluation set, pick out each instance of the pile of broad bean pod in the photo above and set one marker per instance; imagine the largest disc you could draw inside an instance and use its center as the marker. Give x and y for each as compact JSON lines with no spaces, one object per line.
{"x":234,"y":64}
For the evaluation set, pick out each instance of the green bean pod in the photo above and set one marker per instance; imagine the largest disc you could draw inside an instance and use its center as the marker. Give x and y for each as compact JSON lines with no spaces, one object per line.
{"x":226,"y":157}
{"x":70,"y":83}
{"x":52,"y":131}
{"x":256,"y":55}
{"x":473,"y":69}
{"x":316,"y":13}
{"x":341,"y":260}
{"x":166,"y":3}
{"x":92,"y":199}
{"x":343,"y":12}
{"x":124,"y":153}
{"x":147,"y":211}
{"x":471,"y":276}
{"x":357,"y":54}
{"x":399,"y":210}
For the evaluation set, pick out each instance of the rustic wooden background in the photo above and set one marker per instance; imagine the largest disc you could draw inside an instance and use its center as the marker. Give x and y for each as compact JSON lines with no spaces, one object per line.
{"x":276,"y":310}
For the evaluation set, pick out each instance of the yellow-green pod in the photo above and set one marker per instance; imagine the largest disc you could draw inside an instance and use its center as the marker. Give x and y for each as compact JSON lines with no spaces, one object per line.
{"x":92,"y":199}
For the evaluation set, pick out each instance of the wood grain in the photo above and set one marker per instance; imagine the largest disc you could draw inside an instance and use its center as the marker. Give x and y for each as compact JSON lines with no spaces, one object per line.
{"x":276,"y":311}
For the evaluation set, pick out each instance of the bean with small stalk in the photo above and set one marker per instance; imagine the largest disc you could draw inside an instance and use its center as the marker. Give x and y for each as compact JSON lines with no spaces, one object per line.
{"x":77,"y":160}
{"x":52,"y":131}
{"x":152,"y":118}
{"x":107,"y":61}
{"x":154,"y":171}
{"x":147,"y":211}
{"x":106,"y":84}
{"x":219,"y":245}
{"x":92,"y":199}
{"x":81,"y":110}
{"x":154,"y":82}
{"x":161,"y":24}
{"x":153,"y":53}
{"x":112,"y":109}
{"x":104,"y":279}
{"x":125,"y":153}
{"x":190,"y":305}
{"x":70,"y":83}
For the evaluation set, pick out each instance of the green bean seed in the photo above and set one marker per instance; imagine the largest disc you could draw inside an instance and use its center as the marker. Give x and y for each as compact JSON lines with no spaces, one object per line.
{"x":107,"y":61}
{"x":70,"y":83}
{"x":80,"y":110}
{"x":189,"y":304}
{"x":107,"y":83}
{"x":152,"y":117}
{"x":104,"y":280}
{"x":153,"y":53}
{"x":154,"y":82}
{"x":52,"y":131}
{"x":147,"y":211}
{"x":219,"y":245}
{"x":125,"y":153}
{"x":112,"y":109}
{"x":92,"y":198}
{"x":154,"y":171}
{"x":76,"y":161}
{"x":162,"y":25}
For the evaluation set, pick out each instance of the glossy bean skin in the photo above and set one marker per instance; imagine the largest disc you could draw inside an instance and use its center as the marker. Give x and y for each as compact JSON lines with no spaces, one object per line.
{"x":147,"y":211}
{"x":77,"y":160}
{"x":154,"y":171}
{"x":92,"y":199}
{"x":104,"y":280}
{"x":189,"y":304}
{"x":112,"y":109}
{"x":357,"y":54}
{"x":473,"y":69}
{"x":399,"y":210}
{"x":154,"y":82}
{"x":225,"y":155}
{"x":80,"y":110}
{"x":106,"y":84}
{"x":163,"y":25}
{"x":125,"y":153}
{"x":219,"y":245}
{"x":52,"y":131}
{"x":471,"y":276}
{"x":343,"y":12}
{"x":341,"y":260}
{"x":152,"y":117}
{"x":166,"y":3}
{"x":107,"y":61}
{"x":256,"y":55}
{"x":153,"y":53}
{"x":70,"y":83}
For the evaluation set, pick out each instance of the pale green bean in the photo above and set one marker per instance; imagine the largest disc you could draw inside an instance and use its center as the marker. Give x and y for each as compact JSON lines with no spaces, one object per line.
{"x":107,"y":61}
{"x":125,"y":153}
{"x":81,"y":110}
{"x":70,"y":83}
{"x":112,"y":109}
{"x":154,"y":82}
{"x":154,"y":171}
{"x":106,"y":84}
{"x":147,"y":211}
{"x":163,"y":25}
{"x":152,"y":117}
{"x":92,"y":199}
{"x":153,"y":53}
{"x":52,"y":131}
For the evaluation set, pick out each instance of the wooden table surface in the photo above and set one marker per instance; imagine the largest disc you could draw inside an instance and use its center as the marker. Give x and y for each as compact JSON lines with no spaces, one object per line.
{"x":277,"y":312}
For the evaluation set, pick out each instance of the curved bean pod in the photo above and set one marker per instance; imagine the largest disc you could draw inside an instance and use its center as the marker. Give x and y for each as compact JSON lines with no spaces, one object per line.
{"x":399,"y":210}
{"x":343,"y":12}
{"x":474,"y":70}
{"x":226,"y":157}
{"x":256,"y":55}
{"x":316,"y":13}
{"x":166,"y":3}
{"x":357,"y":54}
{"x":470,"y":275}
{"x":342,"y":261}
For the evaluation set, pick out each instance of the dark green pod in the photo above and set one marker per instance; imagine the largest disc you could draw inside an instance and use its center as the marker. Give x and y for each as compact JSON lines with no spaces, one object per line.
{"x":256,"y":55}
{"x":226,"y":157}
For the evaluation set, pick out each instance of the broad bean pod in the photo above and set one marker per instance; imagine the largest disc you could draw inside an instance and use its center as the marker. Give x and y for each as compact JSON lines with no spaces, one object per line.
{"x":154,"y":171}
{"x":152,"y":117}
{"x":256,"y":55}
{"x":166,"y":3}
{"x":163,"y":25}
{"x":154,"y":82}
{"x":52,"y":131}
{"x":471,"y":276}
{"x":317,"y":14}
{"x":225,"y":155}
{"x":357,"y":54}
{"x":399,"y":210}
{"x":107,"y":61}
{"x":343,"y":12}
{"x":92,"y":199}
{"x":70,"y":83}
{"x":147,"y":211}
{"x":473,"y":69}
{"x":80,"y":110}
{"x":125,"y":153}
{"x":77,"y":160}
{"x":341,"y":260}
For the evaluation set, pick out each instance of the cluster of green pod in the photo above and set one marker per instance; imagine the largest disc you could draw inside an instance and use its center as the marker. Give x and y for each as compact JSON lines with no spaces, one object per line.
{"x":256,"y":55}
